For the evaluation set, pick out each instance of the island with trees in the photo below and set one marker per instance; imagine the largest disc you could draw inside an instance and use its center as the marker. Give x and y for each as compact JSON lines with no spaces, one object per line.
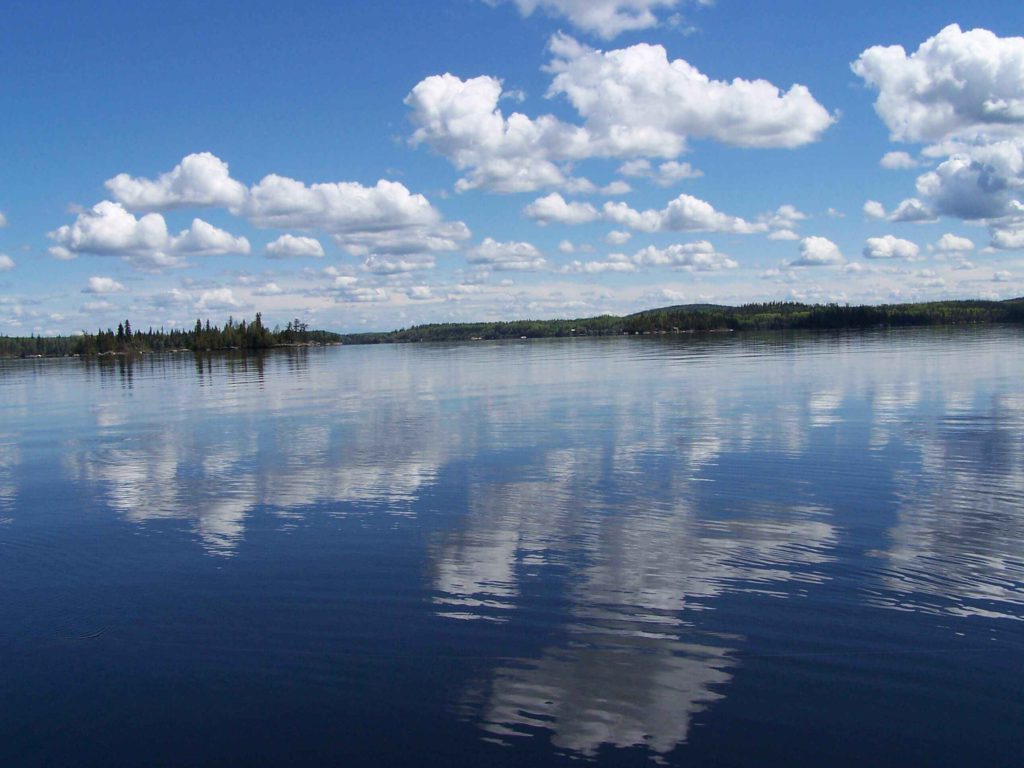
{"x":202,"y":337}
{"x":690,"y":318}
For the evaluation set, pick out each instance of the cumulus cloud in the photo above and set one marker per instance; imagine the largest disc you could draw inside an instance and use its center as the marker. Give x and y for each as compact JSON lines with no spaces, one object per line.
{"x":616,"y":262}
{"x":910,"y":210}
{"x":292,"y":247}
{"x":897,"y":161}
{"x":683,"y":214}
{"x":1010,"y":238}
{"x":618,"y":237}
{"x":604,"y":18}
{"x":100,"y":285}
{"x":396,"y":265}
{"x":446,"y":236}
{"x":890,"y":247}
{"x":419,"y":293}
{"x":634,"y":102}
{"x":3,"y":220}
{"x":6,"y":263}
{"x":783,"y":222}
{"x":510,"y":256}
{"x":817,"y":252}
{"x":97,"y":306}
{"x":950,"y":243}
{"x":218,"y":299}
{"x":957,"y":85}
{"x":699,"y":256}
{"x":978,"y":182}
{"x":337,"y":207}
{"x":461,"y":120}
{"x":874,"y":209}
{"x":200,"y":179}
{"x":554,"y":209}
{"x":385,"y":218}
{"x":204,"y":239}
{"x":567,"y":246}
{"x":664,"y":174}
{"x":268,"y":289}
{"x":964,"y":93}
{"x":107,"y":229}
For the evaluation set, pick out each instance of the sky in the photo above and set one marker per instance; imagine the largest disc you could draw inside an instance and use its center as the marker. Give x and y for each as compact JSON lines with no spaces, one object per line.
{"x":370,"y":166}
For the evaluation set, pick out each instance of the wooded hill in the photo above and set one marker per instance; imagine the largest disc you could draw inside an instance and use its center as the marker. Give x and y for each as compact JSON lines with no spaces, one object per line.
{"x":712,"y":317}
{"x":688,"y":318}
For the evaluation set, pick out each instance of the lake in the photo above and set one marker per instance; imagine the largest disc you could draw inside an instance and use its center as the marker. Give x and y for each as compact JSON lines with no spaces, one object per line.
{"x":716,"y":549}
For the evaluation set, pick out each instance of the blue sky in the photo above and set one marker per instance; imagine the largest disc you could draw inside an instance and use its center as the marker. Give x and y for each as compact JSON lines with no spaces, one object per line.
{"x":374,"y":165}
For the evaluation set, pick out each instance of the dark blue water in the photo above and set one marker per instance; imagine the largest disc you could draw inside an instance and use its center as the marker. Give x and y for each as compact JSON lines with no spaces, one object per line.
{"x":720,"y":550}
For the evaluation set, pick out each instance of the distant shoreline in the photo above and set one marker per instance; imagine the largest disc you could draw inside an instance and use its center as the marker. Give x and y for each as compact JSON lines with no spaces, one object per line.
{"x":682,"y":319}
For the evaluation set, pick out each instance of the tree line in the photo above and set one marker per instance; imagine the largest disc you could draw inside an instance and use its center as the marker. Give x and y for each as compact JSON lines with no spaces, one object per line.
{"x":125,"y":339}
{"x":710,"y":317}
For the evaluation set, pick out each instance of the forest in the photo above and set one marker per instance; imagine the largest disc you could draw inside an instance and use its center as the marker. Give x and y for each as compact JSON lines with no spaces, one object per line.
{"x":711,"y":317}
{"x":202,"y":337}
{"x":690,"y":318}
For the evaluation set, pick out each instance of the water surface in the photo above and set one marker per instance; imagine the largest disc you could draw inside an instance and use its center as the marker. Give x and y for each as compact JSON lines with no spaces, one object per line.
{"x":700,"y":550}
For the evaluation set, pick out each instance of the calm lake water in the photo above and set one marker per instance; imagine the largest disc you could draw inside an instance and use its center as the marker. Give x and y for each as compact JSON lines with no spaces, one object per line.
{"x":707,"y":550}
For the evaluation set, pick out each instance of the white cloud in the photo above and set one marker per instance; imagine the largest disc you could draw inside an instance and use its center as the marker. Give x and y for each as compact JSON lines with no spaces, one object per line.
{"x":204,"y":239}
{"x":964,"y":85}
{"x":817,"y":252}
{"x":633,"y":102}
{"x":683,"y":214}
{"x":292,"y":246}
{"x":874,"y":209}
{"x":909,"y":210}
{"x":1008,"y":238}
{"x":783,"y":222}
{"x":97,"y":306}
{"x":218,"y":299}
{"x":950,"y":243}
{"x":897,"y":161}
{"x":6,"y":263}
{"x":3,"y":220}
{"x":361,"y":295}
{"x":913,"y":210}
{"x":889,"y":247}
{"x":604,"y":18}
{"x":338,"y":207}
{"x":664,"y":175}
{"x":617,"y":187}
{"x":616,"y":262}
{"x":385,"y":218}
{"x":101,"y":285}
{"x":268,"y":289}
{"x":461,"y":120}
{"x":699,"y":256}
{"x":200,"y":179}
{"x":395,"y":265}
{"x":446,"y":236}
{"x":833,"y":213}
{"x":420,"y":293}
{"x":618,"y":237}
{"x":978,"y":182}
{"x":553,"y":208}
{"x":511,"y":256}
{"x":107,"y":229}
